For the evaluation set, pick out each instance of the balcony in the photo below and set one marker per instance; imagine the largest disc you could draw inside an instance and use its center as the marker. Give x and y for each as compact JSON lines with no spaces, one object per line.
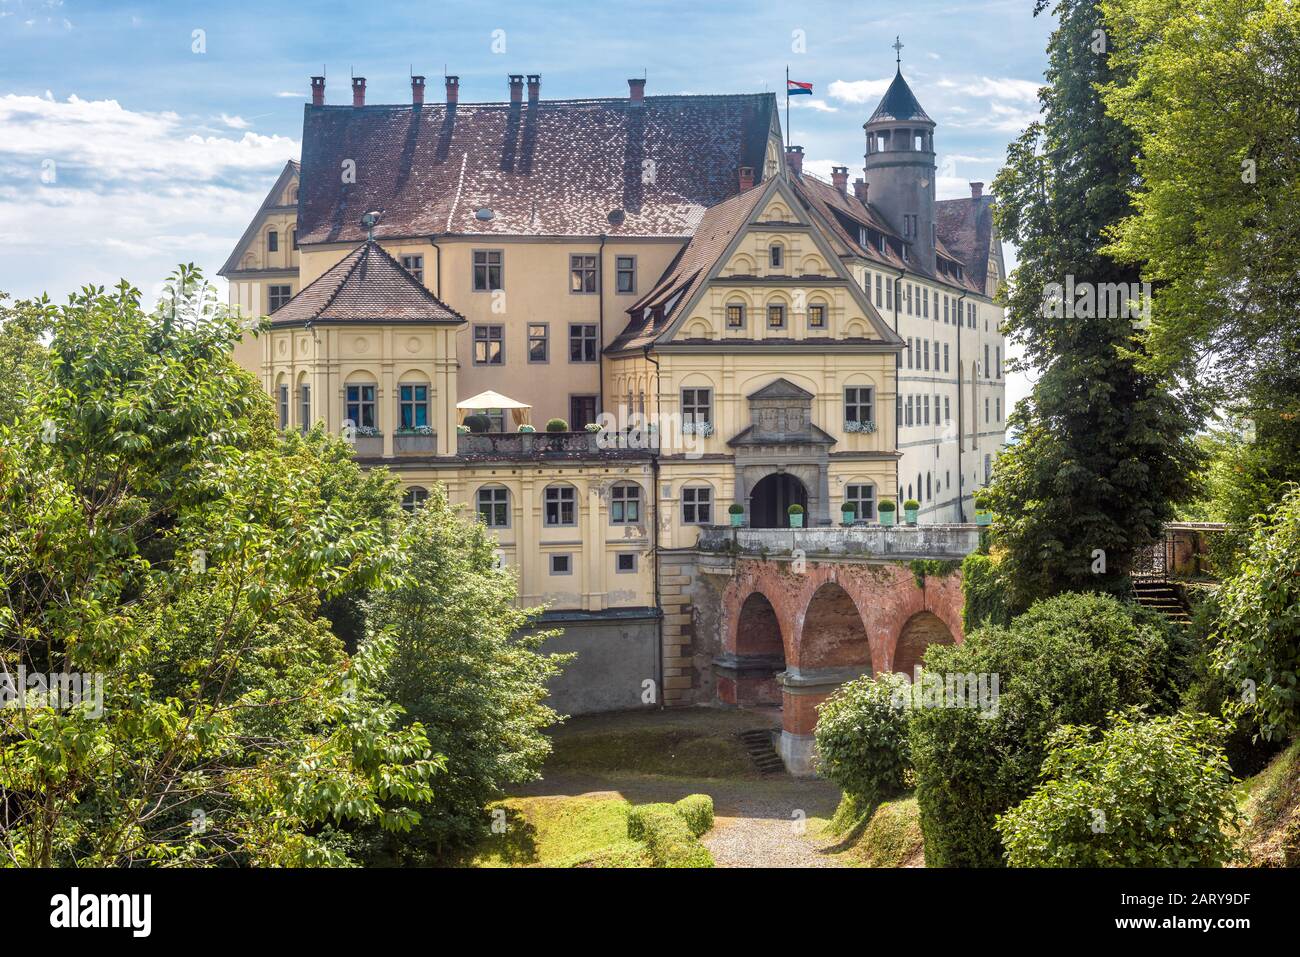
{"x":543,"y":446}
{"x":856,"y":541}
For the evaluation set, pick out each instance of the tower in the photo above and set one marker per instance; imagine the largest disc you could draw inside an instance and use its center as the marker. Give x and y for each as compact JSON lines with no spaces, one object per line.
{"x":900,"y":168}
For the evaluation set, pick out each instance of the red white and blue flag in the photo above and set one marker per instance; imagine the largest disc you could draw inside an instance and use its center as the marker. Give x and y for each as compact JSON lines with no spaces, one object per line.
{"x":795,"y":88}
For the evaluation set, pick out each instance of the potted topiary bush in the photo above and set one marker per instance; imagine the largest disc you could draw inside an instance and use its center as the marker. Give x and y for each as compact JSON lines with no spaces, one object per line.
{"x":848,"y":511}
{"x":796,"y":516}
{"x":983,"y":512}
{"x":737,"y":513}
{"x":478,"y":423}
{"x":911,"y":510}
{"x":557,"y":425}
{"x":886,"y":509}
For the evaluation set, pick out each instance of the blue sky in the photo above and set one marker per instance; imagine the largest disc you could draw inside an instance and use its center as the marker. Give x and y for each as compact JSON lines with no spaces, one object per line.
{"x":129,"y":143}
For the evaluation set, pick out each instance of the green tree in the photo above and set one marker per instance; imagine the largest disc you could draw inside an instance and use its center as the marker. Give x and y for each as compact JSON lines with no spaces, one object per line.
{"x":1101,"y":452}
{"x":1209,"y":89}
{"x":22,"y":327}
{"x":1155,"y":793}
{"x":158,"y":538}
{"x":467,"y":669}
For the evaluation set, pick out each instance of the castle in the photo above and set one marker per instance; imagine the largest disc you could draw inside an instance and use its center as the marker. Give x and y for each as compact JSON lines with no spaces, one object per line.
{"x":715,"y":326}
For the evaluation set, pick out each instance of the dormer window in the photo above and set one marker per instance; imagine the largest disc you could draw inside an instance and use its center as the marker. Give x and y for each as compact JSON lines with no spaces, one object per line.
{"x":905,"y":257}
{"x":776,"y":256}
{"x":880,"y":243}
{"x":862,"y":236}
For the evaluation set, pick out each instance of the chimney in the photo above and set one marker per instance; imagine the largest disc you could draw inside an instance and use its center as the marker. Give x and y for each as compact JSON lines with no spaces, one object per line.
{"x":534,"y":87}
{"x":976,"y":190}
{"x":840,"y":179}
{"x":746,"y":178}
{"x":860,"y":190}
{"x":794,"y":159}
{"x":417,"y":90}
{"x":516,"y":87}
{"x":636,"y":91}
{"x":453,"y":89}
{"x":318,"y":91}
{"x":358,"y":91}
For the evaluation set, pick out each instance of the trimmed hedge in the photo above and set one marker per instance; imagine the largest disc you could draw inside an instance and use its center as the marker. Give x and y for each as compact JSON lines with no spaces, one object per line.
{"x":637,"y":817}
{"x":697,"y":811}
{"x":861,"y":737}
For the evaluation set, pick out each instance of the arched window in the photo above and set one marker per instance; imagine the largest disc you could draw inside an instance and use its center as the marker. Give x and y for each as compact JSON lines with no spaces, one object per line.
{"x":494,"y":506}
{"x":415,"y":497}
{"x":625,"y":504}
{"x":560,"y":506}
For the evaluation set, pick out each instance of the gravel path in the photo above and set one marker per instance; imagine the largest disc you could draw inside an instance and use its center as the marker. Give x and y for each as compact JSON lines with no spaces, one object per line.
{"x":756,"y":836}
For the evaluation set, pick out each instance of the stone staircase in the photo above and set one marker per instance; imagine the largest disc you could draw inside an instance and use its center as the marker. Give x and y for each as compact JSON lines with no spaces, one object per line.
{"x":758,"y":743}
{"x":1163,"y":597}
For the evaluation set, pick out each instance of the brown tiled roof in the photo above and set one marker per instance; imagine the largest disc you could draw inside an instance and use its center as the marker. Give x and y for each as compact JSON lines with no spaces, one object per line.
{"x":367,"y":285}
{"x":832,"y":204}
{"x":965,"y":227}
{"x":683,"y":277}
{"x":550,"y":168}
{"x":291,"y":169}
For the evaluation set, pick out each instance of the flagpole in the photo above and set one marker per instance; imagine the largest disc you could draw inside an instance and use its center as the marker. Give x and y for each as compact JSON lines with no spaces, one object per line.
{"x":788,"y":134}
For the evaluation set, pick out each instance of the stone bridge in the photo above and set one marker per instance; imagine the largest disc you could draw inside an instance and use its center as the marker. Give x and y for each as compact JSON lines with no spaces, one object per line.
{"x":790,"y":614}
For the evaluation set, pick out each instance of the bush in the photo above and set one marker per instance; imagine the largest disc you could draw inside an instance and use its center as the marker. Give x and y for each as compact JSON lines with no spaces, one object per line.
{"x":627,"y":853}
{"x":735,"y":508}
{"x":478,"y":423}
{"x":1259,"y":634}
{"x":861,"y":735}
{"x":557,"y":425}
{"x":982,"y":503}
{"x":985,"y":593}
{"x":667,"y":836}
{"x":911,"y":504}
{"x":1155,"y":793}
{"x":886,"y":505}
{"x":637,"y":817}
{"x":891,"y":837}
{"x":794,"y":510}
{"x":697,"y":811}
{"x":1069,"y":660}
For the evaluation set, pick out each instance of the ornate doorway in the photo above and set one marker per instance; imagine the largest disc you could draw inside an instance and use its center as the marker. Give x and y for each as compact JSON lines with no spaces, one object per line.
{"x":772,"y":496}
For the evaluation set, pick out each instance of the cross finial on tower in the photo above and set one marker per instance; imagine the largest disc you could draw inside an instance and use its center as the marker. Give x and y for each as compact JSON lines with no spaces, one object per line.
{"x":898,"y":52}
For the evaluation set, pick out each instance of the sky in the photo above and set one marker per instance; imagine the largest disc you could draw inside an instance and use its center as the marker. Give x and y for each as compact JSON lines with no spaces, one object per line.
{"x":134,"y":136}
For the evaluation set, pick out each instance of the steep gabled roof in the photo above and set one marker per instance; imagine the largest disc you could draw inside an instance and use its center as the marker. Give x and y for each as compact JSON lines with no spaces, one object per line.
{"x":367,"y":285}
{"x":965,"y":227}
{"x":899,"y":103}
{"x":291,"y":169}
{"x":549,"y":168}
{"x":835,"y":206}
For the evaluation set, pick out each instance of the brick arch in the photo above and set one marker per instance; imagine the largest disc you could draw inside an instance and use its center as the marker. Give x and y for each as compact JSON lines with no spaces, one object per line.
{"x":922,"y":630}
{"x":832,"y":633}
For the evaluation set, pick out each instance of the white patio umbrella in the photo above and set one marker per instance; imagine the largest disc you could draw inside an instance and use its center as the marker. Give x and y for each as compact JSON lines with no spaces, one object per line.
{"x":485,"y":401}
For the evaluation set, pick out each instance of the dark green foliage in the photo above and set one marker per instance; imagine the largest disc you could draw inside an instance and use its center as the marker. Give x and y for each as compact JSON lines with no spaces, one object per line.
{"x":985,"y":593}
{"x":1154,"y":793}
{"x":557,"y":425}
{"x":1070,"y":660}
{"x":478,"y":423}
{"x":1101,"y":451}
{"x":862,"y":742}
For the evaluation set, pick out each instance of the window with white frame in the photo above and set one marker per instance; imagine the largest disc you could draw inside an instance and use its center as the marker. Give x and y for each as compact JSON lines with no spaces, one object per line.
{"x":277,"y":296}
{"x":560,"y":506}
{"x":697,"y":505}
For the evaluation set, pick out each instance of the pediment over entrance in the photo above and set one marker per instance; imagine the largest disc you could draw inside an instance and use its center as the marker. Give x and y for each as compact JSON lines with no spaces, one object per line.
{"x":781,"y":414}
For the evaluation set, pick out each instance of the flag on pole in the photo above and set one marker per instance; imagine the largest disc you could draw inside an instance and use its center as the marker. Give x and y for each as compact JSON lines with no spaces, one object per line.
{"x":795,"y":88}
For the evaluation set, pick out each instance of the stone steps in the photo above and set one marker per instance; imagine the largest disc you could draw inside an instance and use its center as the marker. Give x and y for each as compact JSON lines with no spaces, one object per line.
{"x":758,"y":744}
{"x":1162,"y":598}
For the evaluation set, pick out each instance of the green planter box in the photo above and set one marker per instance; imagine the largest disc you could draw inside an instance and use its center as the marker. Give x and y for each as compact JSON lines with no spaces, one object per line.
{"x":911,"y":514}
{"x":888,"y":518}
{"x":736,"y":520}
{"x":983,"y":518}
{"x":796,"y":521}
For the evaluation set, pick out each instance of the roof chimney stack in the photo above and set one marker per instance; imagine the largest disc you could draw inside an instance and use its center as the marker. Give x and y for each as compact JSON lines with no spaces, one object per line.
{"x":534,"y":87}
{"x":746,"y":178}
{"x":453,"y":89}
{"x":794,"y":159}
{"x":358,"y":91}
{"x":417,"y":91}
{"x":636,"y":91}
{"x":840,"y":179}
{"x":860,"y":190}
{"x":318,"y":91}
{"x":976,"y":190}
{"x":516,"y":88}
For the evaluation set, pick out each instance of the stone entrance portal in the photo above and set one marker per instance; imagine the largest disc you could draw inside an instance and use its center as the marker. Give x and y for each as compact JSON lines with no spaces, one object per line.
{"x":771,"y":499}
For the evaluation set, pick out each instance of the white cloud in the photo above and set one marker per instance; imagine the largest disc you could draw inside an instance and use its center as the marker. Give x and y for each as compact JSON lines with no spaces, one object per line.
{"x":90,"y":191}
{"x":821,"y":168}
{"x":285,"y":94}
{"x":821,"y":106}
{"x":1000,"y":88}
{"x":858,"y":91}
{"x":235,"y":122}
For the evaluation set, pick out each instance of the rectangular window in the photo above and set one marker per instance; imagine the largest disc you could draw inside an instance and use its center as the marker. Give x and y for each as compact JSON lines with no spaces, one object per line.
{"x":487,"y":270}
{"x":415,"y":266}
{"x":863,"y":498}
{"x":582,"y":273}
{"x":277,"y":296}
{"x":816,"y":316}
{"x":284,"y":406}
{"x":947,"y":409}
{"x":859,"y":404}
{"x":582,"y":411}
{"x":998,"y":367}
{"x":926,"y":419}
{"x":776,"y":316}
{"x":925,"y":354}
{"x":735,"y":315}
{"x":697,"y":406}
{"x":986,"y":410}
{"x":494,"y":506}
{"x":945,"y":310}
{"x":988,"y":373}
{"x":582,"y":342}
{"x":900,"y":410}
{"x":925,"y":302}
{"x":988,"y":467}
{"x":272,"y":241}
{"x":625,"y":562}
{"x":625,"y":504}
{"x":997,"y":409}
{"x":936,"y":356}
{"x":562,"y":564}
{"x":775,"y":256}
{"x":304,"y":407}
{"x":879,"y":301}
{"x":625,"y":274}
{"x":945,"y":357}
{"x":910,"y":412}
{"x":413,"y":406}
{"x":697,"y":506}
{"x":489,"y":345}
{"x":560,"y":506}
{"x":359,"y":408}
{"x":539,"y":342}
{"x":889,"y":295}
{"x":910,"y":289}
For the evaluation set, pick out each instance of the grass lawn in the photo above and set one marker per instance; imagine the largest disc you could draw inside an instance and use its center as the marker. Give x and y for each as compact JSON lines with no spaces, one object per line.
{"x":1271,"y":800}
{"x":559,"y":831}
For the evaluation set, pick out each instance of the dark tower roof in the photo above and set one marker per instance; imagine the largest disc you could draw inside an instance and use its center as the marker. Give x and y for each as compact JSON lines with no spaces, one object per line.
{"x":899,"y":103}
